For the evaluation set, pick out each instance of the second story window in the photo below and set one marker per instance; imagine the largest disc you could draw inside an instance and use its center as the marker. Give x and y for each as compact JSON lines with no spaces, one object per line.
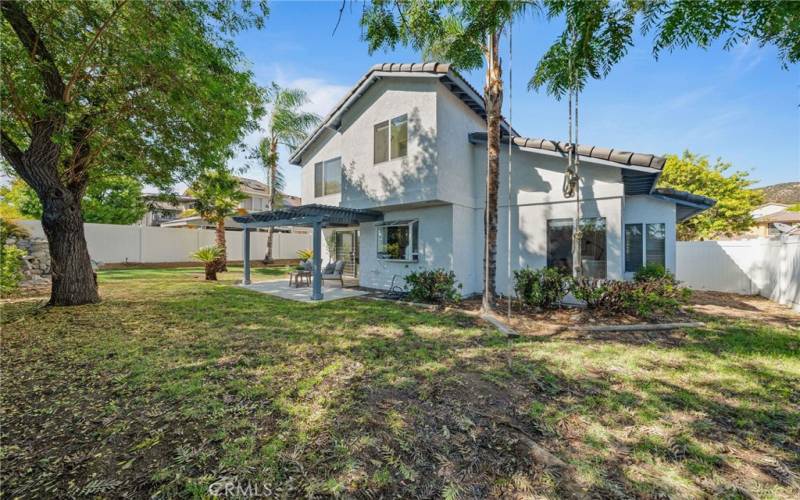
{"x":328,"y":177}
{"x":391,"y":139}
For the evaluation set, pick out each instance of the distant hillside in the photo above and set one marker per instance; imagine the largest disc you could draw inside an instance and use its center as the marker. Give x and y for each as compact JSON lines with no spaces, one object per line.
{"x":785,"y":192}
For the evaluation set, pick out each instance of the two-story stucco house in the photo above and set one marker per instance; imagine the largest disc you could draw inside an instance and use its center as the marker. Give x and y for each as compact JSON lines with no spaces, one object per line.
{"x":409,"y":142}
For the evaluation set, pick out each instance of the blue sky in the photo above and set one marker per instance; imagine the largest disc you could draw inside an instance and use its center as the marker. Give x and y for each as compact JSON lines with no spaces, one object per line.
{"x":739,"y":105}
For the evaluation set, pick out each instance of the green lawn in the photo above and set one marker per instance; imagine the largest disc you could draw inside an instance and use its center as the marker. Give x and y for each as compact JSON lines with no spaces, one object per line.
{"x":172,"y":383}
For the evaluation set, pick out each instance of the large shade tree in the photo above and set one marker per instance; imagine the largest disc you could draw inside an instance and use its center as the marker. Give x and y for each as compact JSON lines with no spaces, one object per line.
{"x":465,"y":33}
{"x":288,"y":126}
{"x":115,"y":199}
{"x":152,"y":90}
{"x":217,"y":194}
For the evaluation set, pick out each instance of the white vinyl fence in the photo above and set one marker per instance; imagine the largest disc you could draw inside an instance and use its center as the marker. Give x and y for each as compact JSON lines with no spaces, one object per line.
{"x":112,"y":243}
{"x":753,"y":267}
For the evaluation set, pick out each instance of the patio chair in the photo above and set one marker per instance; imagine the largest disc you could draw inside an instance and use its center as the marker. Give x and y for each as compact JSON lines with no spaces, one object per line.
{"x":335,"y":273}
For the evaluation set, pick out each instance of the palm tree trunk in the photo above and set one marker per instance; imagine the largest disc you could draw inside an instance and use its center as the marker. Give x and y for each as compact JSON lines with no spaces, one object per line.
{"x":493,"y":96}
{"x":222,"y":263}
{"x":273,"y":173}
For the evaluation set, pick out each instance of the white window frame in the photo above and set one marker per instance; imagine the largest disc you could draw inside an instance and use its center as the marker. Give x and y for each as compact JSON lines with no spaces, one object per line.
{"x":389,"y":124}
{"x":323,"y":164}
{"x":643,"y":229}
{"x":412,"y":247}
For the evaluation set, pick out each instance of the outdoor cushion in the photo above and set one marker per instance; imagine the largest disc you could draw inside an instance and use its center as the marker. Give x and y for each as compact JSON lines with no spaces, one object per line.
{"x":328,"y":268}
{"x":308,"y":265}
{"x":338,"y":267}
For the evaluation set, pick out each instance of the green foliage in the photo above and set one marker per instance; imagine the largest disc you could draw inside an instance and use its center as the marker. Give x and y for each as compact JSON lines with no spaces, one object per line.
{"x":541,"y":287}
{"x":10,"y":267}
{"x":653,"y":298}
{"x":21,"y":199}
{"x":217,"y":194}
{"x":435,"y":286}
{"x":589,"y":290}
{"x":207,"y":254}
{"x":113,"y":199}
{"x":652,"y":272}
{"x":605,"y":33}
{"x":453,"y":31}
{"x":289,"y":126}
{"x":305,"y":254}
{"x":152,"y":90}
{"x":735,"y":200}
{"x":210,"y":256}
{"x":794,"y":208}
{"x":649,"y":296}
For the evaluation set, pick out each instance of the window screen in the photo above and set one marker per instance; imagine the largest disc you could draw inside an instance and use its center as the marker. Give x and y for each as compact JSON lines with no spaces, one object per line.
{"x":333,"y":176}
{"x":656,"y":237}
{"x":633,"y":247}
{"x":381,"y":142}
{"x":318,"y":189}
{"x":399,"y":136}
{"x":593,"y":247}
{"x":559,"y":244}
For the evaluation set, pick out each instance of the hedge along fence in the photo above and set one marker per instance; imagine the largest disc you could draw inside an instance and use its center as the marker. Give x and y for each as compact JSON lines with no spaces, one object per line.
{"x":111,"y":243}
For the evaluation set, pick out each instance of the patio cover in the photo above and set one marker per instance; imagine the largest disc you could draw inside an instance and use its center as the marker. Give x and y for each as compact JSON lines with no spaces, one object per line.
{"x":314,"y":215}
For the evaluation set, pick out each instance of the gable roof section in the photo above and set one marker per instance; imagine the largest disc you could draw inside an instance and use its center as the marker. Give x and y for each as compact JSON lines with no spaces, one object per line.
{"x":449,"y":77}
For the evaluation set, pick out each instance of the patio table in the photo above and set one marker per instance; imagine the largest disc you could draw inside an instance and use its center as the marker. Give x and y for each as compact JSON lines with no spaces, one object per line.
{"x":300,"y":278}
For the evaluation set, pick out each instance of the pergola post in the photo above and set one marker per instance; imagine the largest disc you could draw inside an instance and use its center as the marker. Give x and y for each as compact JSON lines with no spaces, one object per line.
{"x":316,"y":293}
{"x":246,"y":254}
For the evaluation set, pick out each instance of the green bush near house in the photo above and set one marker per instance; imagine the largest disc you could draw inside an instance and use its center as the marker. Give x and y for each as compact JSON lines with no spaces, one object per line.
{"x":652,"y":272}
{"x":541,"y":287}
{"x":435,"y":286}
{"x":10,"y":268}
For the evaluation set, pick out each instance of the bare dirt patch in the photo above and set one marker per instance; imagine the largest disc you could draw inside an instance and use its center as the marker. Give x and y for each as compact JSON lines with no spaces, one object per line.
{"x":746,"y":307}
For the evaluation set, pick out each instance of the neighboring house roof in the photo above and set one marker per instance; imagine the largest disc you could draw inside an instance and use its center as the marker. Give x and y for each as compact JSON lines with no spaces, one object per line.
{"x":786,"y":216}
{"x":449,"y":77}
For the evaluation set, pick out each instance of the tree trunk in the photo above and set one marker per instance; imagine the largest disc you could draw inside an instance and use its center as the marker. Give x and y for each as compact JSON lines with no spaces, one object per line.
{"x":493,"y":97}
{"x":73,"y":280}
{"x":211,"y":272}
{"x":273,"y":172}
{"x":222,"y":263}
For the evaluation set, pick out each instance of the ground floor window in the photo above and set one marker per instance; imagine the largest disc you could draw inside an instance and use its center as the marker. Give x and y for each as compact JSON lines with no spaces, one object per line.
{"x":593,"y":246}
{"x":398,"y":240}
{"x":644,"y":244}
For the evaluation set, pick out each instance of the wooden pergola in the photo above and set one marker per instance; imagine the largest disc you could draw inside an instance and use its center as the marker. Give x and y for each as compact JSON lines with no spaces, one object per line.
{"x":314,"y":216}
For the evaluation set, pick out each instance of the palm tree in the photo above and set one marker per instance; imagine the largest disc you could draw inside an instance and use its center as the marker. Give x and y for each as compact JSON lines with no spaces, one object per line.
{"x":209,"y":256}
{"x":289,"y":125}
{"x":217,"y":195}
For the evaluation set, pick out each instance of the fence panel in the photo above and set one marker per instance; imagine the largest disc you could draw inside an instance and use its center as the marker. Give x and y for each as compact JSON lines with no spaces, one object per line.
{"x":753,"y":267}
{"x":112,"y":243}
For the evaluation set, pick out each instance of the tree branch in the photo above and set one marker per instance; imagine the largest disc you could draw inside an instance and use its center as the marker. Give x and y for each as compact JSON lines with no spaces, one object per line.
{"x":11,"y":152}
{"x":15,"y":15}
{"x":82,"y":61}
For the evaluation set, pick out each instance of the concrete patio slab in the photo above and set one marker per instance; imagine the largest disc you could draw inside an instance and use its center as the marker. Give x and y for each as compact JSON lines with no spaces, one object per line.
{"x":302,"y":294}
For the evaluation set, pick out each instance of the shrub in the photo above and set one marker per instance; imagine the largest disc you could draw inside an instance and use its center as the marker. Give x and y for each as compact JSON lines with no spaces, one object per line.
{"x":10,"y":267}
{"x":305,"y":254}
{"x":589,"y":290}
{"x":540,"y":287}
{"x":652,"y":272}
{"x":209,"y":256}
{"x":435,"y":286}
{"x":655,"y":297}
